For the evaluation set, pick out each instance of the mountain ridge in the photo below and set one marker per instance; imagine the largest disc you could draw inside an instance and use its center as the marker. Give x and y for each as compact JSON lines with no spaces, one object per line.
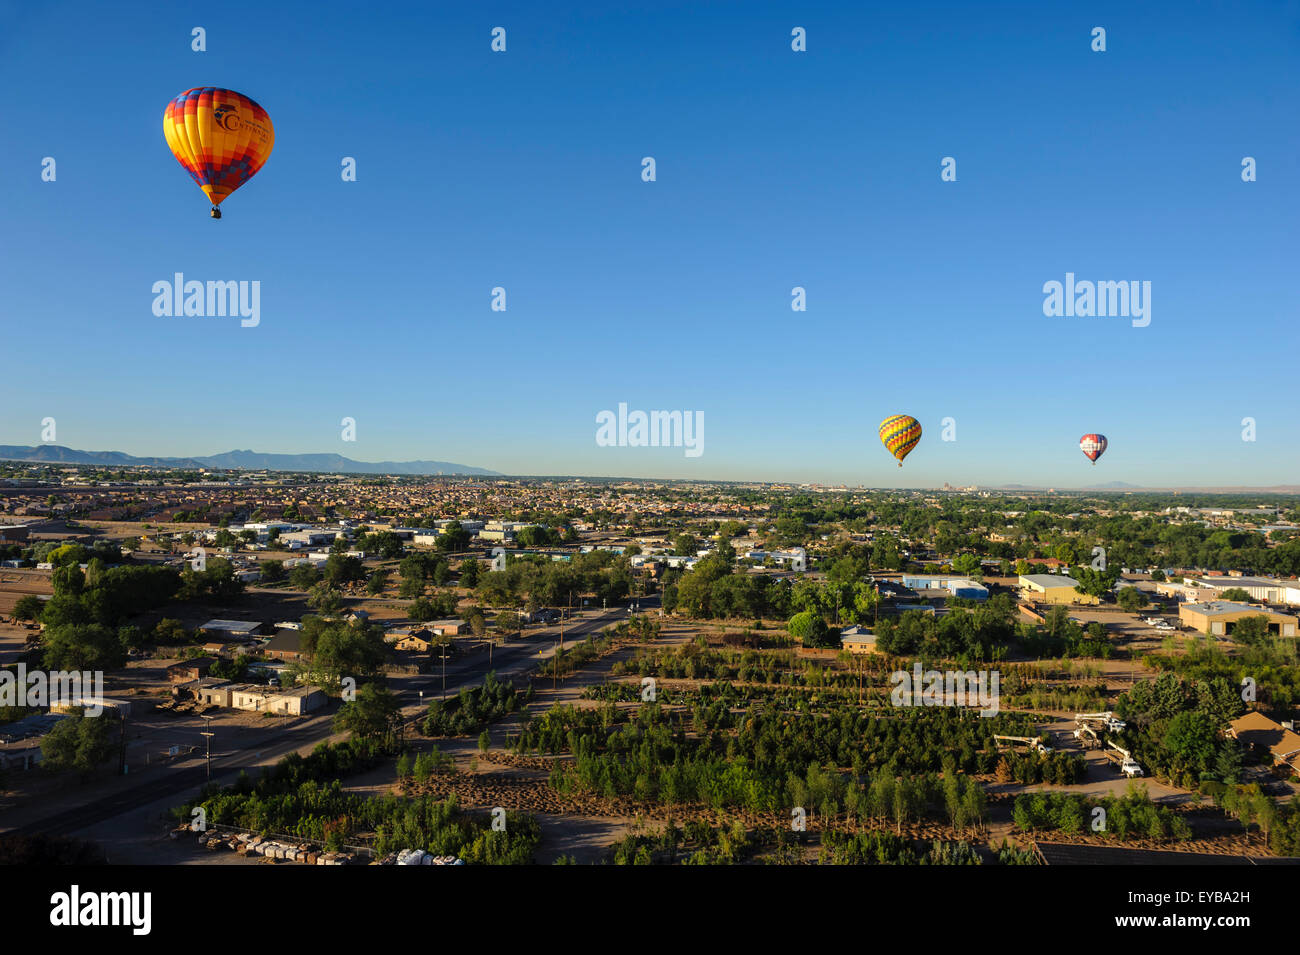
{"x":244,"y":460}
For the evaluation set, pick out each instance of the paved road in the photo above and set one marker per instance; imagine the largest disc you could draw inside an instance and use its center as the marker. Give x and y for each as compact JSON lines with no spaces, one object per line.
{"x":512,"y":661}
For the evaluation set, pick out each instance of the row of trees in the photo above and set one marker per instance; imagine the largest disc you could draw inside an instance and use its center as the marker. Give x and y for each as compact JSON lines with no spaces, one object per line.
{"x":1132,"y":815}
{"x":978,"y":634}
{"x":474,"y":707}
{"x":748,"y":758}
{"x":304,"y":797}
{"x":534,"y":581}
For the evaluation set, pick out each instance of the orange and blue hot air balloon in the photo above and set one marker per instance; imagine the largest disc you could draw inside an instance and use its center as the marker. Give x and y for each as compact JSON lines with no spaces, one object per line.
{"x":221,"y":137}
{"x":900,"y":434}
{"x":1094,"y":446}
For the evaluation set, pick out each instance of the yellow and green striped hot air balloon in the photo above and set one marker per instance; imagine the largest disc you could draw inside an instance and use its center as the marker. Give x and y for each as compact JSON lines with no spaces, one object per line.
{"x":900,"y":434}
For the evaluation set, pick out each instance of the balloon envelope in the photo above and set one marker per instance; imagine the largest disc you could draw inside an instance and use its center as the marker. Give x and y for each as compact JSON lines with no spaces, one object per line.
{"x":221,"y":137}
{"x":900,"y":435}
{"x":1093,"y":445}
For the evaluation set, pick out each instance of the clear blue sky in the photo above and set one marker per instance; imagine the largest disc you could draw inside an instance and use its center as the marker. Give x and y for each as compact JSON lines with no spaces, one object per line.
{"x":775,"y":169}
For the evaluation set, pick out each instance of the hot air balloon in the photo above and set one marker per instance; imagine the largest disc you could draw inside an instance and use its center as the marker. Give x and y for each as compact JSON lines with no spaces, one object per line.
{"x":1094,"y":446}
{"x":900,"y":435}
{"x":221,"y":137}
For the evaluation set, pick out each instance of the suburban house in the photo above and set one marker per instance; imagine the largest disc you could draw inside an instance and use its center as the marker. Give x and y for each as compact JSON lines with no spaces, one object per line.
{"x":285,"y":645}
{"x":1256,"y":729}
{"x":420,"y":640}
{"x":858,"y":639}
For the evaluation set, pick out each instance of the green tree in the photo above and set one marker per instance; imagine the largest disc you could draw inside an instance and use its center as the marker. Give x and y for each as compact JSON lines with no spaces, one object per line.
{"x":325,"y":598}
{"x":28,"y":607}
{"x":1190,"y":742}
{"x":303,"y":576}
{"x":375,"y":715}
{"x":78,"y":743}
{"x":1249,"y":631}
{"x":1132,"y":599}
{"x":82,"y":647}
{"x":1097,"y":583}
{"x":810,"y":630}
{"x":685,"y":545}
{"x":469,"y":573}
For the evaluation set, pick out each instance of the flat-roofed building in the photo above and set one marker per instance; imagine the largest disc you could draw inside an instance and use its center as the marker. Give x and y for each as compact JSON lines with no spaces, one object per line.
{"x":295,"y":701}
{"x":1261,"y":589}
{"x":188,"y":670}
{"x":962,"y":587}
{"x":231,"y":630}
{"x":1220,"y":616}
{"x":1184,"y":591}
{"x":14,"y":533}
{"x":1054,"y":589}
{"x":209,"y":691}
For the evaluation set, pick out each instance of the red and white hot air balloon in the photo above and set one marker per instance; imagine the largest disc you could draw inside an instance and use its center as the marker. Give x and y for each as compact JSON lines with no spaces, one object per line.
{"x":1094,"y":446}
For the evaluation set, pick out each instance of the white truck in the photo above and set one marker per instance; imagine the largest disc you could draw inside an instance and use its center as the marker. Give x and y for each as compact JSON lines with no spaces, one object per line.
{"x":1107,"y":720}
{"x":1127,"y":764}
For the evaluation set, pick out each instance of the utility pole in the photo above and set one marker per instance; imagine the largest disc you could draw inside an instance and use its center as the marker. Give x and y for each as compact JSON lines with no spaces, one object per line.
{"x":209,"y":754}
{"x":121,"y":755}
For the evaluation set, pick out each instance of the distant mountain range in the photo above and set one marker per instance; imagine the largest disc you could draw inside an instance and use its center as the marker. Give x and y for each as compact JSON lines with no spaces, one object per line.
{"x":236,"y":460}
